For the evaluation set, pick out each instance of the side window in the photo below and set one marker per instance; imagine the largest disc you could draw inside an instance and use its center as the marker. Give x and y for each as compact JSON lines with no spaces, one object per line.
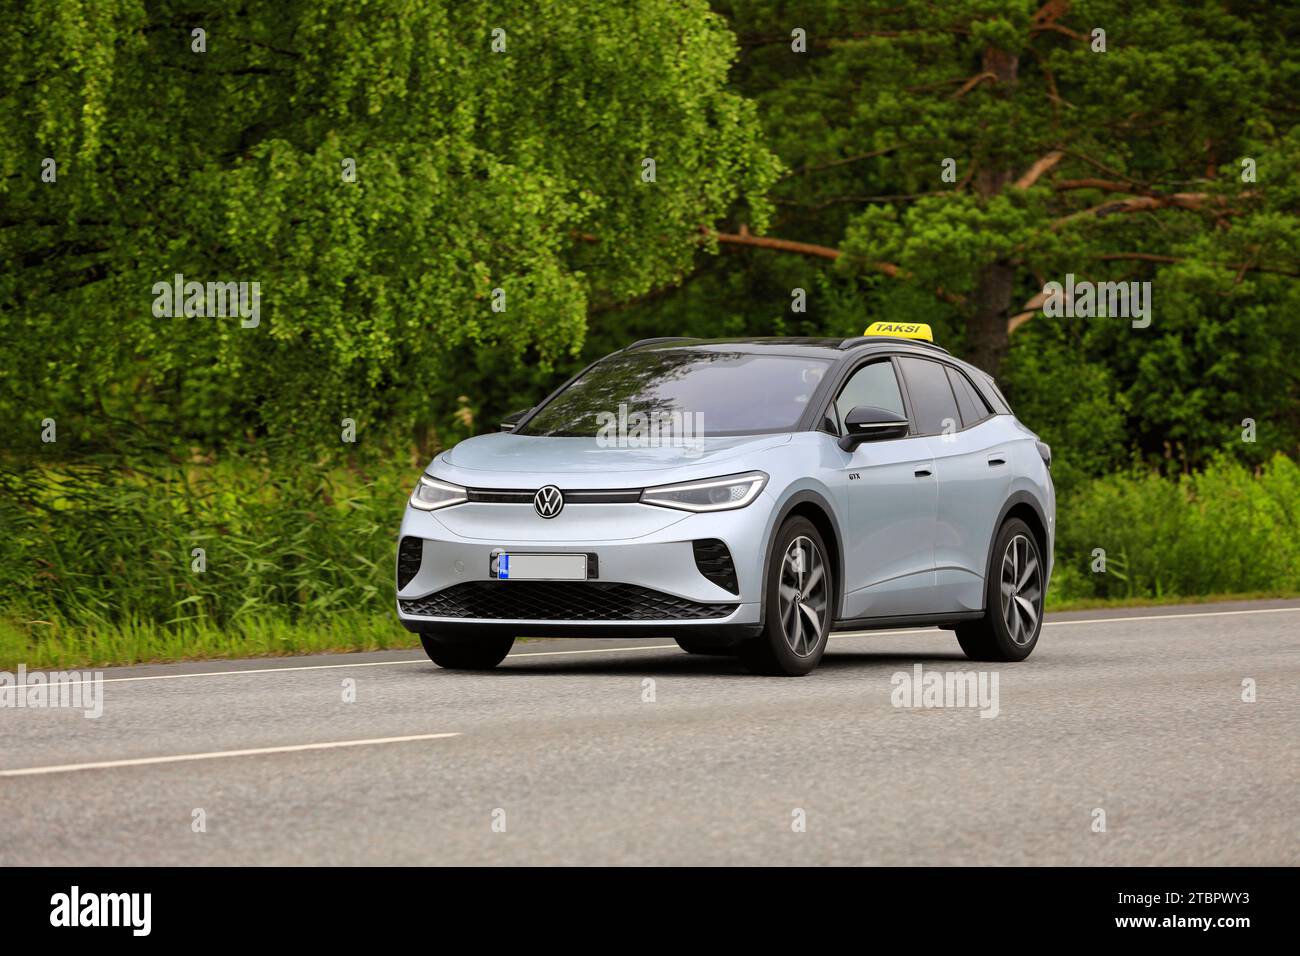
{"x":1000,"y":404}
{"x":970,"y":403}
{"x":933,"y":404}
{"x":873,"y":384}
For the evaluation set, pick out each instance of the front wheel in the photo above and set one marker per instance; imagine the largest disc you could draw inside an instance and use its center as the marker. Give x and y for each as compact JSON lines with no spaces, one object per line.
{"x":800,"y":599}
{"x":1013,"y":600}
{"x":478,"y":653}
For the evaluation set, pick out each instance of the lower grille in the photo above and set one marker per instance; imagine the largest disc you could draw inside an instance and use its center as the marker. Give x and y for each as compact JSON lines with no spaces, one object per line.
{"x":561,"y":601}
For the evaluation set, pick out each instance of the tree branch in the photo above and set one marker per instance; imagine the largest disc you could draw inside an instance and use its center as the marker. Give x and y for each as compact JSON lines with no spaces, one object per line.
{"x":1049,"y":12}
{"x":973,"y":82}
{"x":1040,"y":167}
{"x":1105,"y":185}
{"x":1192,"y":201}
{"x":1057,"y":28}
{"x":1084,"y":158}
{"x":747,"y":238}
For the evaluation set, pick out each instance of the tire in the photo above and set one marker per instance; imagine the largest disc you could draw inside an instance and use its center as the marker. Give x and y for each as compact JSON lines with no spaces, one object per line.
{"x":468,"y":654}
{"x":694,"y":645}
{"x":791,"y":645}
{"x":1013,"y":599}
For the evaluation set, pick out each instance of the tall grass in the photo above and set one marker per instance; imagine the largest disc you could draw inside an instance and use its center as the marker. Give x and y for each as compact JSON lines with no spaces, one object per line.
{"x":157,"y":553}
{"x":97,"y":560}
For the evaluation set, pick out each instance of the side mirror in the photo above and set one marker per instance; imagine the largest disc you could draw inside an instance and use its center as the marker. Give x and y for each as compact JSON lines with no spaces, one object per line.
{"x":869,"y":423}
{"x":509,"y":422}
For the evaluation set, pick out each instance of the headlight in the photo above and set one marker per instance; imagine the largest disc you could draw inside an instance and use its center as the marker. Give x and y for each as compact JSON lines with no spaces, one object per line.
{"x":712,"y":494}
{"x":431,"y":493}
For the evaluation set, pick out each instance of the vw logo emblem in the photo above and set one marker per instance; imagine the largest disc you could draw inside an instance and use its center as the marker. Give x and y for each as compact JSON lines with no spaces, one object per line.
{"x":548,"y":502}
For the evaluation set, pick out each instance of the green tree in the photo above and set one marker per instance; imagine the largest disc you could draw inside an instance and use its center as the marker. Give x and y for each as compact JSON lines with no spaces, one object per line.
{"x":491,"y":142}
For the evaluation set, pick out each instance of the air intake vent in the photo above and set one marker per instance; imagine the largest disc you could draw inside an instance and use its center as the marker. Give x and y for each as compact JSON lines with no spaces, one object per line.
{"x":560,"y":601}
{"x":714,"y":561}
{"x":409,"y":552}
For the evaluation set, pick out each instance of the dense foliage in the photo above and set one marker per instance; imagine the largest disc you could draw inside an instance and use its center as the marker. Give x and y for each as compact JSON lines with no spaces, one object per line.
{"x":489,"y":142}
{"x":502,"y":147}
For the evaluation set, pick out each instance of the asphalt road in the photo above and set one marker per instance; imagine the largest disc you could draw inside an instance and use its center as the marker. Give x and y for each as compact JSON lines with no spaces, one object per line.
{"x":1137,"y":713}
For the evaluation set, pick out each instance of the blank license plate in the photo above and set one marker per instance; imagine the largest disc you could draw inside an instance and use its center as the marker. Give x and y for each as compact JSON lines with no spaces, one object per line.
{"x":541,"y":567}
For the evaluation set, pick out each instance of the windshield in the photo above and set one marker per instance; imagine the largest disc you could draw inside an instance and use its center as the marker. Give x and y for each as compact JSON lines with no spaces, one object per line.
{"x":711,"y":393}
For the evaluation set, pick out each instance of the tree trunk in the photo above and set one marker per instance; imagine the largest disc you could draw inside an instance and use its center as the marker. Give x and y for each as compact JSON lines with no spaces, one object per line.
{"x":986,"y":323}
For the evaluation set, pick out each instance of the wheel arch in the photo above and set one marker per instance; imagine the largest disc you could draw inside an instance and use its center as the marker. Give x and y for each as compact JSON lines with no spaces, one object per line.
{"x":813,"y":506}
{"x":1026,"y":507}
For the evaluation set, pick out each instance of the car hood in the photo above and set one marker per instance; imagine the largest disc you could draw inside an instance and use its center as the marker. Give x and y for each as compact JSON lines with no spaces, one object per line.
{"x":504,"y":460}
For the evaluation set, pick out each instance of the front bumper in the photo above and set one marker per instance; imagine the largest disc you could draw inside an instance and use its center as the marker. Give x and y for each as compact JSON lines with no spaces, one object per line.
{"x":646,"y":578}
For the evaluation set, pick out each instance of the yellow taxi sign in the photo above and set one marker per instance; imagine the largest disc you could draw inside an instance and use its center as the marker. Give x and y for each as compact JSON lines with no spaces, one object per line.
{"x":902,"y":330}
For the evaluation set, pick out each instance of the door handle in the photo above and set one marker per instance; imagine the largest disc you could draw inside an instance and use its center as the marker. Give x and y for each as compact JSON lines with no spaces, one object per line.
{"x":996,"y":460}
{"x":922,"y":472}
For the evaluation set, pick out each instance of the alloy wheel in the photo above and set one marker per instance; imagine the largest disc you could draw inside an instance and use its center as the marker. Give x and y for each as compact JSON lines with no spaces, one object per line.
{"x":1022,"y":590}
{"x":803,"y":595}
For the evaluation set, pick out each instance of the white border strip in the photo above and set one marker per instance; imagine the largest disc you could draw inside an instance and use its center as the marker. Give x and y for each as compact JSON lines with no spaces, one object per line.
{"x":215,"y":755}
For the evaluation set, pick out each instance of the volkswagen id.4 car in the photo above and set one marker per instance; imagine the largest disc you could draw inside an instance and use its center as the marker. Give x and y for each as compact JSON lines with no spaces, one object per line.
{"x":743,"y":497}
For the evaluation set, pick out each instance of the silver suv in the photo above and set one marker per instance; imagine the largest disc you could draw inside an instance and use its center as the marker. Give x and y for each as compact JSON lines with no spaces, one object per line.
{"x":744,"y":497}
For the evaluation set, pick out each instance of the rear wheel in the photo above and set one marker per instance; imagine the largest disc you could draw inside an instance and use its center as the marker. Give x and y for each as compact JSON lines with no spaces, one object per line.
{"x":799,"y":603}
{"x":1013,"y":600}
{"x":479,"y":653}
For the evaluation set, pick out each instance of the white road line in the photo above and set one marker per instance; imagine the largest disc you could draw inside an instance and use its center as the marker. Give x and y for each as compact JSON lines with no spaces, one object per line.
{"x":216,"y":755}
{"x":663,"y":647}
{"x":1174,"y":617}
{"x":1112,"y":620}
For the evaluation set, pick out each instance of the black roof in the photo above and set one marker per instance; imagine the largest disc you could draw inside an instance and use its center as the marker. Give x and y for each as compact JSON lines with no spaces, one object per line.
{"x":798,"y":345}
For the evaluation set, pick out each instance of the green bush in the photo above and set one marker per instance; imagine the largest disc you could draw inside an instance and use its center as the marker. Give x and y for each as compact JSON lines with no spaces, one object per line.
{"x":1223,"y":530}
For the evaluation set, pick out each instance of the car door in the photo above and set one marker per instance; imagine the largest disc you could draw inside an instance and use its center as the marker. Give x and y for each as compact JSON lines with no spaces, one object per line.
{"x":972,"y":472}
{"x":890,"y":489}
